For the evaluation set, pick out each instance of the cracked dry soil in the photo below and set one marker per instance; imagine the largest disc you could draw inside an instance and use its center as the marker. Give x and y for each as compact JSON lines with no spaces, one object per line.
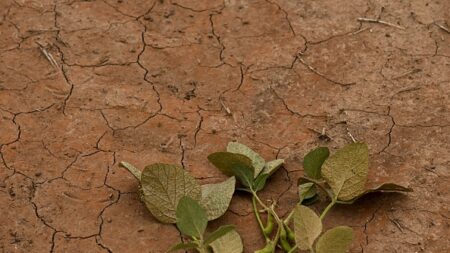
{"x":172,"y":81}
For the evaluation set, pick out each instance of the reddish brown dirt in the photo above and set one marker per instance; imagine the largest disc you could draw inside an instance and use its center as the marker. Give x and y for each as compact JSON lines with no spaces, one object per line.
{"x":151,"y":81}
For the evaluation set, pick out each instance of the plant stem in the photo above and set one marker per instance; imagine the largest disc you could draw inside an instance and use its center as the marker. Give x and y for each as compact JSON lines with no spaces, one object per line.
{"x":289,"y":217}
{"x":327,"y":209}
{"x":293,"y":249}
{"x":258,"y":217}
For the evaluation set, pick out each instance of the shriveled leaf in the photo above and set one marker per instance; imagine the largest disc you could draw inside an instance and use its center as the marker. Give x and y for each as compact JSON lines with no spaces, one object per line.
{"x":191,"y":217}
{"x":306,"y":191}
{"x":221,"y":231}
{"x":133,"y":170}
{"x":234,"y":165}
{"x":307,"y":227}
{"x":231,"y":242}
{"x":216,"y":197}
{"x":185,"y":246}
{"x":346,"y":171}
{"x":312,"y":163}
{"x":386,"y":187}
{"x":257,"y":161}
{"x":335,"y":240}
{"x":162,"y":186}
{"x":260,"y":182}
{"x":272,"y":166}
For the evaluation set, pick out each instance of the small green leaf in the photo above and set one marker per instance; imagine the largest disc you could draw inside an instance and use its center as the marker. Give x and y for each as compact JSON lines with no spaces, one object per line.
{"x":234,"y":164}
{"x":185,"y":246}
{"x":257,"y":161}
{"x":312,"y":163}
{"x":216,"y":197}
{"x":162,"y":186}
{"x":335,"y":240}
{"x":346,"y":171}
{"x":133,"y":170}
{"x":191,"y":217}
{"x":386,"y":187}
{"x":221,"y":231}
{"x":260,"y":182}
{"x":306,"y":191}
{"x":231,"y":242}
{"x":272,"y":166}
{"x":307,"y":227}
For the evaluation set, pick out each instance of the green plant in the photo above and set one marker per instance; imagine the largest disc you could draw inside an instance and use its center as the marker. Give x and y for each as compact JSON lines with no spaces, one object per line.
{"x":173,"y":196}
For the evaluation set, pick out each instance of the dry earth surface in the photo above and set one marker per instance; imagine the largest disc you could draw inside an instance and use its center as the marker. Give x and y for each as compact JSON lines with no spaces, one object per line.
{"x":172,"y":81}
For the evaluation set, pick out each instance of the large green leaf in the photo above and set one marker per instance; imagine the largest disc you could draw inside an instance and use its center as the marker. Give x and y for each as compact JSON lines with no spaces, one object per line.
{"x":257,"y":161}
{"x":133,"y":170}
{"x":191,"y":217}
{"x":234,"y":164}
{"x":346,"y":171}
{"x":272,"y":166}
{"x":231,"y":242}
{"x":386,"y":187}
{"x":163,"y":185}
{"x":221,"y":231}
{"x":216,"y":197}
{"x":312,"y":163}
{"x":307,"y":227}
{"x":335,"y":240}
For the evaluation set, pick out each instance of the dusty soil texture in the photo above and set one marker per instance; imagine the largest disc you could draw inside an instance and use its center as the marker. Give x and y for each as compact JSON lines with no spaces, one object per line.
{"x":87,"y":84}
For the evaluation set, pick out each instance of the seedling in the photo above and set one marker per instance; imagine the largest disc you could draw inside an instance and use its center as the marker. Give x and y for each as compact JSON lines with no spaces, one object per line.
{"x":173,"y":196}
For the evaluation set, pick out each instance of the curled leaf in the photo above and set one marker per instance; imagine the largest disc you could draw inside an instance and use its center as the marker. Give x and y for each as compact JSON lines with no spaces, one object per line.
{"x":346,"y":171}
{"x":272,"y":166}
{"x":260,"y":182}
{"x":185,"y":246}
{"x":257,"y":161}
{"x":312,"y":163}
{"x":191,"y":217}
{"x":307,"y":227}
{"x":306,"y":191}
{"x":386,"y":187}
{"x":216,"y":197}
{"x":231,"y":242}
{"x":234,"y":165}
{"x":335,"y":240}
{"x":221,"y":231}
{"x":162,"y":186}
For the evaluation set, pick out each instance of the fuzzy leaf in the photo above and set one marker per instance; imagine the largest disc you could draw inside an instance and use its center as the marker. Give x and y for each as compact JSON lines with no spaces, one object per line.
{"x":312,"y":163}
{"x":185,"y":246}
{"x":257,"y":161}
{"x":216,"y":197}
{"x":221,"y":231}
{"x":191,"y":217}
{"x":346,"y":171}
{"x":234,"y":165}
{"x":260,"y":182}
{"x":162,"y":186}
{"x":133,"y":170}
{"x":386,"y":187}
{"x":306,"y":191}
{"x":335,"y":240}
{"x":307,"y":227}
{"x":272,"y":166}
{"x":231,"y":242}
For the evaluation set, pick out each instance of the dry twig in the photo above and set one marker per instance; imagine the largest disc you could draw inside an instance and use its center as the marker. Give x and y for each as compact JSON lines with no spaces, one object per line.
{"x":371,"y":20}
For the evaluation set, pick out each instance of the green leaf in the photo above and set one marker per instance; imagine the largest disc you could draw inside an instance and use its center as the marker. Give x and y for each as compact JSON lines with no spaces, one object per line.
{"x":221,"y":231}
{"x":307,"y":227}
{"x":346,"y":171}
{"x":162,"y":186}
{"x":260,"y":182}
{"x":231,"y":242}
{"x":185,"y":246}
{"x":257,"y":161}
{"x":335,"y":240}
{"x":272,"y":166}
{"x":133,"y":170}
{"x":312,"y":163}
{"x":306,"y":191}
{"x":191,"y":217}
{"x":386,"y":187}
{"x":217,"y":197}
{"x":234,"y":164}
